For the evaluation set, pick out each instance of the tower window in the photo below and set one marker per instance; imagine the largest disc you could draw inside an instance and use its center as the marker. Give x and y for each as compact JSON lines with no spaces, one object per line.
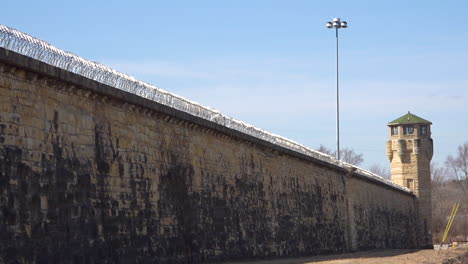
{"x":394,"y":130}
{"x":408,"y":130}
{"x":423,"y":130}
{"x":410,"y":184}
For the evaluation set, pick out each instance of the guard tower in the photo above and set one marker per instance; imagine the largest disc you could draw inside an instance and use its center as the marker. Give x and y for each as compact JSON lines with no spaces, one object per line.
{"x":410,"y":152}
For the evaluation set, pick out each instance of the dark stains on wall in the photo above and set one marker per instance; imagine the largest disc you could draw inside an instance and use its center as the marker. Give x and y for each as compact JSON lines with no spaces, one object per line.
{"x":100,"y":202}
{"x":65,"y":213}
{"x":178,"y":206}
{"x":395,"y":229}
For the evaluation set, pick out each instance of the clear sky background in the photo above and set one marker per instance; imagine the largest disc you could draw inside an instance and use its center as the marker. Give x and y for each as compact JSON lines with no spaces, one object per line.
{"x":272,"y":63}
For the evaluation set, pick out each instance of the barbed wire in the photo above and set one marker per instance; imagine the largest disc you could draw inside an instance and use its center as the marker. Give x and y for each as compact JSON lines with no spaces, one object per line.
{"x":38,"y":49}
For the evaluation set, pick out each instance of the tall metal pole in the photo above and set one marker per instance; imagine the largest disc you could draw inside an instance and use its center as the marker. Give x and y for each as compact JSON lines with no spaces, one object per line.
{"x":337,"y":102}
{"x":337,"y":24}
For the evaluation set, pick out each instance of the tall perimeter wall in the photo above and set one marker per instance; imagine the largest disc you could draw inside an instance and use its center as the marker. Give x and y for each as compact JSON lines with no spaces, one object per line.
{"x":90,"y":173}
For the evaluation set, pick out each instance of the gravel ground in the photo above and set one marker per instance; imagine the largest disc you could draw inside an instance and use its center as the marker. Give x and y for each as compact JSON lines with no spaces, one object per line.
{"x":395,"y":256}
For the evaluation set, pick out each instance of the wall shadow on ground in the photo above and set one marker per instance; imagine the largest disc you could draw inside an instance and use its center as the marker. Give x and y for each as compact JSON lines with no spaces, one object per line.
{"x":347,"y":256}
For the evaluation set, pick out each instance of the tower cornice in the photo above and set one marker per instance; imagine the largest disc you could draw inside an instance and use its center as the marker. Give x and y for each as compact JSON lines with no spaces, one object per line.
{"x":409,"y":118}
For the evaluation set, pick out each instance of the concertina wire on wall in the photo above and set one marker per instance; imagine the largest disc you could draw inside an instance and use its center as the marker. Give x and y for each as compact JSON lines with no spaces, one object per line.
{"x":32,"y":47}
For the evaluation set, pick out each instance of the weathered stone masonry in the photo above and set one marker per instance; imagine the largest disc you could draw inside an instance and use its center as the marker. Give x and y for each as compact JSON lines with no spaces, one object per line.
{"x":92,"y":174}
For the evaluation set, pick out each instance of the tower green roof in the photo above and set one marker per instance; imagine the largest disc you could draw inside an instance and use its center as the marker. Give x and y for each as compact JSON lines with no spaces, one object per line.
{"x":409,"y":118}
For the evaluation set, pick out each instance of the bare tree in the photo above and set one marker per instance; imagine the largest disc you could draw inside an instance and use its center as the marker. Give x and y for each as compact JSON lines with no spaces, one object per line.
{"x":438,"y":174}
{"x":349,"y":156}
{"x":441,"y":201}
{"x":326,"y":150}
{"x":346,"y":154}
{"x":457,"y":179}
{"x":379,"y":170}
{"x":458,"y":165}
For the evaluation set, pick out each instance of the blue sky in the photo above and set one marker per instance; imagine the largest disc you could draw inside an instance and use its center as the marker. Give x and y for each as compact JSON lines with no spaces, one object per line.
{"x":272,"y":63}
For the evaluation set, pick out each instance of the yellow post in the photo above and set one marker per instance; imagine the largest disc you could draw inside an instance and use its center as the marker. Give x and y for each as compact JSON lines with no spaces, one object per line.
{"x":453,"y":218}
{"x":449,"y":224}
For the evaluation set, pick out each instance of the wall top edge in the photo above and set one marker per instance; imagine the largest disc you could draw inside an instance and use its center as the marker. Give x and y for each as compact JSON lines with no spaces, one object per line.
{"x":39,"y":52}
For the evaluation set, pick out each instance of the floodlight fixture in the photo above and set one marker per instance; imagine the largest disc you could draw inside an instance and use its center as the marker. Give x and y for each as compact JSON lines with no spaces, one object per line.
{"x":337,"y":23}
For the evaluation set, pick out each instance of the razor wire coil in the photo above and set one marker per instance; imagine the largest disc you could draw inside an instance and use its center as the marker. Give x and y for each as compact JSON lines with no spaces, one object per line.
{"x":38,"y":49}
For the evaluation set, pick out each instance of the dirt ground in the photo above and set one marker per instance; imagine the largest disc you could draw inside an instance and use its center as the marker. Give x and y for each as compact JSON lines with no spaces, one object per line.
{"x":449,"y":256}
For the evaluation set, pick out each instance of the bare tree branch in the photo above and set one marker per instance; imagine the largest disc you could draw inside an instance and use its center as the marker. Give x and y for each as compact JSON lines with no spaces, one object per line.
{"x":326,"y":150}
{"x":379,"y":170}
{"x":346,"y":154}
{"x":438,"y":174}
{"x":458,"y":165}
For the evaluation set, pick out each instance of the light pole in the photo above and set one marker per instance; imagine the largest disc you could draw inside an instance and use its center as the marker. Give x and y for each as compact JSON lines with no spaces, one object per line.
{"x":337,"y":24}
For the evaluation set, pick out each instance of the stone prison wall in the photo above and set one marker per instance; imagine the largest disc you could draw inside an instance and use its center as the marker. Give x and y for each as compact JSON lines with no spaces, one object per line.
{"x":92,"y":174}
